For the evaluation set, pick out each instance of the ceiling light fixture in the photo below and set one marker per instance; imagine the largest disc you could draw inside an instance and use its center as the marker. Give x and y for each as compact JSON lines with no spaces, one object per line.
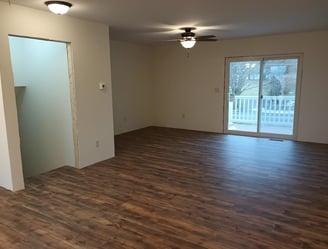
{"x":188,"y":42}
{"x":58,"y":7}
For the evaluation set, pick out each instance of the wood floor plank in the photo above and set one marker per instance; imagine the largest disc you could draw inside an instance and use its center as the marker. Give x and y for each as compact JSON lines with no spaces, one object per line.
{"x":176,"y":189}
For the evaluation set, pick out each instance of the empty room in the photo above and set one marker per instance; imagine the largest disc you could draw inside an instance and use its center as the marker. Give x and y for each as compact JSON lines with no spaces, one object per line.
{"x":195,"y":124}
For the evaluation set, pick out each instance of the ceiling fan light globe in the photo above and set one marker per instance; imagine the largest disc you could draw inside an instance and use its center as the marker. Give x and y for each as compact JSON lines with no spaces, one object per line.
{"x":58,"y":7}
{"x":188,"y":43}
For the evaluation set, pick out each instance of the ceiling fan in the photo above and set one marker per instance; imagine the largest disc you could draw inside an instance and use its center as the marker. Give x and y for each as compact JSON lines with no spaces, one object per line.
{"x":189,"y":38}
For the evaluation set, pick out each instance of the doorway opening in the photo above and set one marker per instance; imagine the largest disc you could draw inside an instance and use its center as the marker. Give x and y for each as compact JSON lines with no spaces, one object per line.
{"x":43,"y":96}
{"x":262,"y":96}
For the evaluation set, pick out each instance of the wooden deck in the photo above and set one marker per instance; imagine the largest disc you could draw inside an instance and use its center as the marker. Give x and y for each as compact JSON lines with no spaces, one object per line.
{"x":177,"y":189}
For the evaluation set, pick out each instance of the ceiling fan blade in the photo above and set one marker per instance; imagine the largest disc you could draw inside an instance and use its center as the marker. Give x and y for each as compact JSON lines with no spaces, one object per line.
{"x":188,"y":35}
{"x":206,"y":38}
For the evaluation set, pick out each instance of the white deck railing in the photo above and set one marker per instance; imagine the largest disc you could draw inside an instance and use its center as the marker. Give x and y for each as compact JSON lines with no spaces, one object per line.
{"x":277,"y":110}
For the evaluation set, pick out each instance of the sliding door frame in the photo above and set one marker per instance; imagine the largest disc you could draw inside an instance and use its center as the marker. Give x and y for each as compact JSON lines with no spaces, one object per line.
{"x":262,"y":58}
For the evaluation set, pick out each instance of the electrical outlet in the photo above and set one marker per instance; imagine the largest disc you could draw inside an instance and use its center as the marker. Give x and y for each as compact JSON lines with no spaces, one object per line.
{"x":183,"y":115}
{"x":97,"y":143}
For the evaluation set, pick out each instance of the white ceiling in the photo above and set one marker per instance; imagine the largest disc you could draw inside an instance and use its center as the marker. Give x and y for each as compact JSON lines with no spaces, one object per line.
{"x":157,"y":20}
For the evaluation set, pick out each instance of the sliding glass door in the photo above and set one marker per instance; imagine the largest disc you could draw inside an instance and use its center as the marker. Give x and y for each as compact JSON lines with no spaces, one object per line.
{"x":261,"y":96}
{"x":244,"y":87}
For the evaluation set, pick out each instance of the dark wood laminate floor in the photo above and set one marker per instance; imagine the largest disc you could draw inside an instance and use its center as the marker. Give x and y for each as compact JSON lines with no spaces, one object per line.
{"x":177,"y":189}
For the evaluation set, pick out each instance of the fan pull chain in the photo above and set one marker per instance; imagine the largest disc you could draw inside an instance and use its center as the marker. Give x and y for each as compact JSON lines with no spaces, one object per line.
{"x":188,"y":53}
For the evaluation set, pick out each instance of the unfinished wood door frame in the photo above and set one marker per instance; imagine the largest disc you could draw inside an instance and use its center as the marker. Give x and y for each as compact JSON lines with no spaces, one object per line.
{"x":72,"y":86}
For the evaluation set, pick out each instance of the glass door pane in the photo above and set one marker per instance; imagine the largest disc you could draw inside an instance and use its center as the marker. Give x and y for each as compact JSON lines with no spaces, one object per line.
{"x":244,"y":81}
{"x":278,"y":91}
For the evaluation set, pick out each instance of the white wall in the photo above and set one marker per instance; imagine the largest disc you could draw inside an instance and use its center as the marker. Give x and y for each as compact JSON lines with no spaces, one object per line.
{"x":194,"y":86}
{"x":91,"y":64}
{"x":5,"y":172}
{"x":44,"y":106}
{"x":132,"y":86}
{"x":185,"y":87}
